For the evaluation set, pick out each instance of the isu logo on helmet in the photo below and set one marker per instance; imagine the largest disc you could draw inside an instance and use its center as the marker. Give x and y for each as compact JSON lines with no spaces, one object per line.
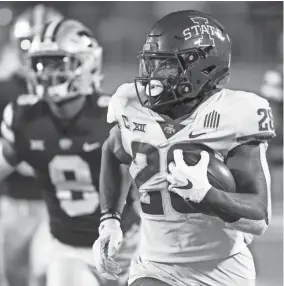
{"x":202,"y":28}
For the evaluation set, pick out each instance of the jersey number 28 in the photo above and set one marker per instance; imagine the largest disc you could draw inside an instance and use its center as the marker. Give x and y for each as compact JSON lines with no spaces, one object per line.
{"x":150,"y":163}
{"x":266,"y":122}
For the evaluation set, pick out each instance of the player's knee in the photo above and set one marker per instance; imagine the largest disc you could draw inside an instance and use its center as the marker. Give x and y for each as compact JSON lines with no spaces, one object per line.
{"x":148,"y":281}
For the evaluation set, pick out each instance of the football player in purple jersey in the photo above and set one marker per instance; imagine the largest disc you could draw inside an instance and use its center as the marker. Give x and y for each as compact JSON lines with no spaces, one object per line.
{"x":59,"y":130}
{"x":22,"y":208}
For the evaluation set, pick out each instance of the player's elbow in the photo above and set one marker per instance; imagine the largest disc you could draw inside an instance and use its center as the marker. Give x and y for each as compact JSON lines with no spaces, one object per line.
{"x":255,"y":227}
{"x":260,"y":209}
{"x":259,"y":227}
{"x":265,"y":212}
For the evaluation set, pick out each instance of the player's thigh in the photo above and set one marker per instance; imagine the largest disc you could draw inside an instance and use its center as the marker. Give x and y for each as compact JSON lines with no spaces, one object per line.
{"x":129,"y":246}
{"x":67,"y":271}
{"x":19,"y":219}
{"x":148,"y":281}
{"x":237,"y":270}
{"x":40,"y":250}
{"x":127,"y":252}
{"x":141,"y":269}
{"x":69,"y":266}
{"x":18,"y":226}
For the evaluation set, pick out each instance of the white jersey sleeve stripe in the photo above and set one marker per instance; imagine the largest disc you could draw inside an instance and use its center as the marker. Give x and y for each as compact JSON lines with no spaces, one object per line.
{"x":111,"y":118}
{"x":7,"y":133}
{"x":8,"y":115}
{"x":266,"y":172}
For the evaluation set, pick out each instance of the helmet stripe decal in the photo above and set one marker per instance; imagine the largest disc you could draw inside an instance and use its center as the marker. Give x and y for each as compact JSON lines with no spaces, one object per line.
{"x":47,"y":36}
{"x":57,"y":28}
{"x":39,"y":15}
{"x":43,"y":32}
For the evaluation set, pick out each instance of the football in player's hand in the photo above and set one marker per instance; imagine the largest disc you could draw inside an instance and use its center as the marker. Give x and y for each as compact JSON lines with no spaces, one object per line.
{"x":218,"y":173}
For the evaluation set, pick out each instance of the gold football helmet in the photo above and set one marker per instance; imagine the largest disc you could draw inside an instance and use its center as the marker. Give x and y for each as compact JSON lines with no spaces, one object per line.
{"x":65,"y":61}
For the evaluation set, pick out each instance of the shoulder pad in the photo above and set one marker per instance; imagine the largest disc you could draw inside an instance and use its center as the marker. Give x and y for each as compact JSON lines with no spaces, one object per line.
{"x":124,"y":94}
{"x":27,"y":99}
{"x":124,"y":97}
{"x":252,"y":116}
{"x":117,"y":101}
{"x":111,"y":112}
{"x":126,"y":90}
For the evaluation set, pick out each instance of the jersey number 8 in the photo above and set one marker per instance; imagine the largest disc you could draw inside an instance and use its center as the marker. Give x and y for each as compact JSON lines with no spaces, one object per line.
{"x":71,"y":177}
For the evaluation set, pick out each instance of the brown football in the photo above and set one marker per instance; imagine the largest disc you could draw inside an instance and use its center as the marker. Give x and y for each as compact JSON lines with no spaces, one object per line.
{"x":218,"y":173}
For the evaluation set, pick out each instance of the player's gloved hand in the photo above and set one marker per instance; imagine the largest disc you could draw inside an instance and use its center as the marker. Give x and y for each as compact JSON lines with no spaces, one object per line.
{"x":105,"y":248}
{"x":190,"y":182}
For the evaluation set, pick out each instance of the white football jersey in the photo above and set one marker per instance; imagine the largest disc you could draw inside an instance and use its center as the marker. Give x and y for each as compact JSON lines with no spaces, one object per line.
{"x":171,"y":231}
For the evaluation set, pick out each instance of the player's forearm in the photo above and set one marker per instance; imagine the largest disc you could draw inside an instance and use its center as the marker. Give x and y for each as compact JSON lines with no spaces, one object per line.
{"x":243,"y":212}
{"x":249,"y":206}
{"x":112,"y":195}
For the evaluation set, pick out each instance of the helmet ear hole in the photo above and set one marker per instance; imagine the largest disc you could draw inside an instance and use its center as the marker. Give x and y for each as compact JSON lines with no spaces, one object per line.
{"x":184,"y":90}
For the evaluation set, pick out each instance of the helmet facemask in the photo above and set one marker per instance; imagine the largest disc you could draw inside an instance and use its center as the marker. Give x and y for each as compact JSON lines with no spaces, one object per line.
{"x":173,"y":78}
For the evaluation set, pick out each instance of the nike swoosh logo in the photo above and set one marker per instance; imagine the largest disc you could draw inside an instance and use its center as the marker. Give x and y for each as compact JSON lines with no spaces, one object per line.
{"x":87,"y":147}
{"x":191,"y":135}
{"x":186,"y":186}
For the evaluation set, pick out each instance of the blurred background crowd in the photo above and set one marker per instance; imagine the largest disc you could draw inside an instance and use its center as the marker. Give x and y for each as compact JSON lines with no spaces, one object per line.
{"x":256,"y":29}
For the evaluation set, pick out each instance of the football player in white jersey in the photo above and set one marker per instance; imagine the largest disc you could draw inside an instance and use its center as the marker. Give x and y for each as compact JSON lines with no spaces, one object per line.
{"x":175,"y":102}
